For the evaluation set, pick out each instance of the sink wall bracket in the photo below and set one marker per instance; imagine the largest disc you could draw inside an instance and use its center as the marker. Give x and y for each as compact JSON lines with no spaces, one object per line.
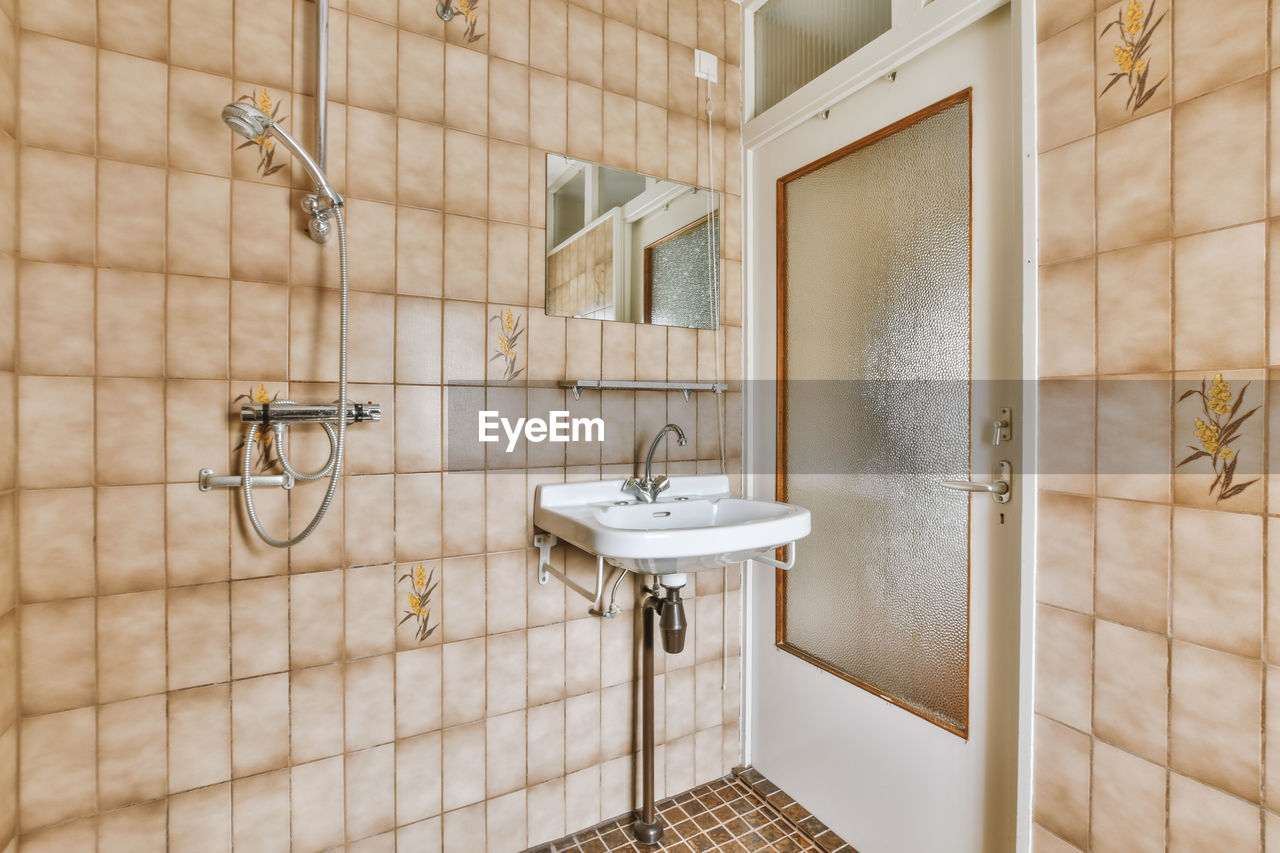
{"x":770,"y":561}
{"x":544,"y":542}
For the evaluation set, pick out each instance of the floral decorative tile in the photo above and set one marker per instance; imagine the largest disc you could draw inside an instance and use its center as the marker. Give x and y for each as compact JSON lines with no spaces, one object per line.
{"x":1218,"y":442}
{"x":1133,"y":61}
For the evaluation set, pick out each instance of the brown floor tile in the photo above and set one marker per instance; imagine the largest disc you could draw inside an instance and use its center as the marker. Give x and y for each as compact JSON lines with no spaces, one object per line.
{"x":741,"y":813}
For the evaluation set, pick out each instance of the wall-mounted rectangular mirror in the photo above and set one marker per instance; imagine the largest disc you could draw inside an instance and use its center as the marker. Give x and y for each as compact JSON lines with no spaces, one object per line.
{"x":622,"y":246}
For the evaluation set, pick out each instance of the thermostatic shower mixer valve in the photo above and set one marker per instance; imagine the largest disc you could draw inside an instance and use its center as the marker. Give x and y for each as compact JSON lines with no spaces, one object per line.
{"x":287,"y":412}
{"x":279,"y":416}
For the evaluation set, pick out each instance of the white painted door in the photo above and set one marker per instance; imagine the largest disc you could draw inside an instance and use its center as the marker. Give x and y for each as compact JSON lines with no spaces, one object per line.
{"x":887,"y":779}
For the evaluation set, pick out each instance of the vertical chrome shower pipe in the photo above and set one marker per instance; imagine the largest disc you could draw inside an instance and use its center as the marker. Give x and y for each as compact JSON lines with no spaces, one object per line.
{"x":322,"y":79}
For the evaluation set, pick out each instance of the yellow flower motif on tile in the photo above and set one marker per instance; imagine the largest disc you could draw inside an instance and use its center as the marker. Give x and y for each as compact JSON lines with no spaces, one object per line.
{"x":1219,"y":426}
{"x":266,"y":458}
{"x":1220,"y":395}
{"x":1133,"y":18}
{"x":509,"y":333}
{"x":1135,"y":27}
{"x":470,"y":10}
{"x":266,"y":146}
{"x":421,"y":585}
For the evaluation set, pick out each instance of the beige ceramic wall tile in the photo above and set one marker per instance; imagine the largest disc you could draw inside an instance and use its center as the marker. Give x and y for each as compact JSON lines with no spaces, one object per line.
{"x":370,"y":796}
{"x":1200,"y":816}
{"x":55,"y":319}
{"x":262,"y":48}
{"x":370,"y":702}
{"x":1066,"y":334}
{"x":1065,"y":552}
{"x":586,"y":35}
{"x":466,"y":107}
{"x":1219,"y":176}
{"x":1218,"y":286}
{"x":58,"y":767}
{"x":199,"y":737}
{"x":130,"y":544}
{"x":508,"y":101}
{"x":57,"y":219}
{"x":56,"y":103}
{"x":134,"y":26}
{"x":620,"y":57}
{"x":1134,"y":306}
{"x":198,"y":140}
{"x":55,"y":413}
{"x":131,"y":225}
{"x":1062,"y":766}
{"x":1133,"y":183}
{"x":1066,"y":215}
{"x":131,"y":645}
{"x":420,"y":59}
{"x":261,"y":810}
{"x":1216,"y":46}
{"x":1134,"y":454}
{"x":1066,"y":440}
{"x":548,"y":33}
{"x":55,"y":550}
{"x":1055,"y":15}
{"x":1215,"y":719}
{"x":1128,"y":803}
{"x":1133,"y":564}
{"x":132,"y":751}
{"x":464,"y":672}
{"x":509,"y":30}
{"x":56,"y":673}
{"x":371,"y":64}
{"x":1064,"y":69}
{"x":317,"y":797}
{"x":1217,"y":582}
{"x":130,"y":324}
{"x":1131,"y":690}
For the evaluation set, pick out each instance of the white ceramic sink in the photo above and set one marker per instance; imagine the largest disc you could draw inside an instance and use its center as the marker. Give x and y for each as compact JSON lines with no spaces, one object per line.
{"x":695,"y":524}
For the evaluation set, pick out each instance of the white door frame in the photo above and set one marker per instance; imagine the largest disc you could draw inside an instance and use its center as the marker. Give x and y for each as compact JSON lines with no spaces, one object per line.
{"x":930,"y":25}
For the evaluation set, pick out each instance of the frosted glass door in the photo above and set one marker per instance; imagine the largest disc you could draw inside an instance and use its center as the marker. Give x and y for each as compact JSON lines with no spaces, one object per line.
{"x":874,"y":361}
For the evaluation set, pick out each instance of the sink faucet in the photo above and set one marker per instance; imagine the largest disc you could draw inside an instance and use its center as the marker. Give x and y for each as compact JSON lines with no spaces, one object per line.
{"x":647,"y":489}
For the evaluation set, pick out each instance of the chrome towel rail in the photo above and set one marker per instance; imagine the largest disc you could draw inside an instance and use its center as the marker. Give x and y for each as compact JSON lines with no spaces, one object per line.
{"x":577,"y":386}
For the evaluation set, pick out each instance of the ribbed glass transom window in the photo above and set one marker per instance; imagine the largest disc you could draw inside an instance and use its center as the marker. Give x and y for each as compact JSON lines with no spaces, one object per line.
{"x":796,"y":40}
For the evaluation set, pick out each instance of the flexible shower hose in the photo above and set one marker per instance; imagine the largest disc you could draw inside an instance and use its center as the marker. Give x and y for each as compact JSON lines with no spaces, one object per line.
{"x":337,"y":438}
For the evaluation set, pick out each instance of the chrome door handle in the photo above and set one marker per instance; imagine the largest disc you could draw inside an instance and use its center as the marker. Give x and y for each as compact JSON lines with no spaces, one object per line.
{"x":999,"y":490}
{"x":999,"y":487}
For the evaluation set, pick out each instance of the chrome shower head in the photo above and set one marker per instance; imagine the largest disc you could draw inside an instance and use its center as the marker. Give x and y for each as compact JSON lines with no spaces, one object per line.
{"x":253,"y":123}
{"x":245,"y":120}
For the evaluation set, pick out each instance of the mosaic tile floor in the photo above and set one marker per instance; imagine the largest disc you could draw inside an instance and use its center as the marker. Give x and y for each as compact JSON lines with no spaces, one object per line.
{"x":741,"y":812}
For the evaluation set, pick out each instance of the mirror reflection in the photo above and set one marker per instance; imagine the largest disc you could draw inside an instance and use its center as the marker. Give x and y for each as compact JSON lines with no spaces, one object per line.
{"x":623,"y":246}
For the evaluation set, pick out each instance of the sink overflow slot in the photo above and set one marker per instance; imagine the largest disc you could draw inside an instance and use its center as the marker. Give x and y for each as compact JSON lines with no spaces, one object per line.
{"x":661,"y":514}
